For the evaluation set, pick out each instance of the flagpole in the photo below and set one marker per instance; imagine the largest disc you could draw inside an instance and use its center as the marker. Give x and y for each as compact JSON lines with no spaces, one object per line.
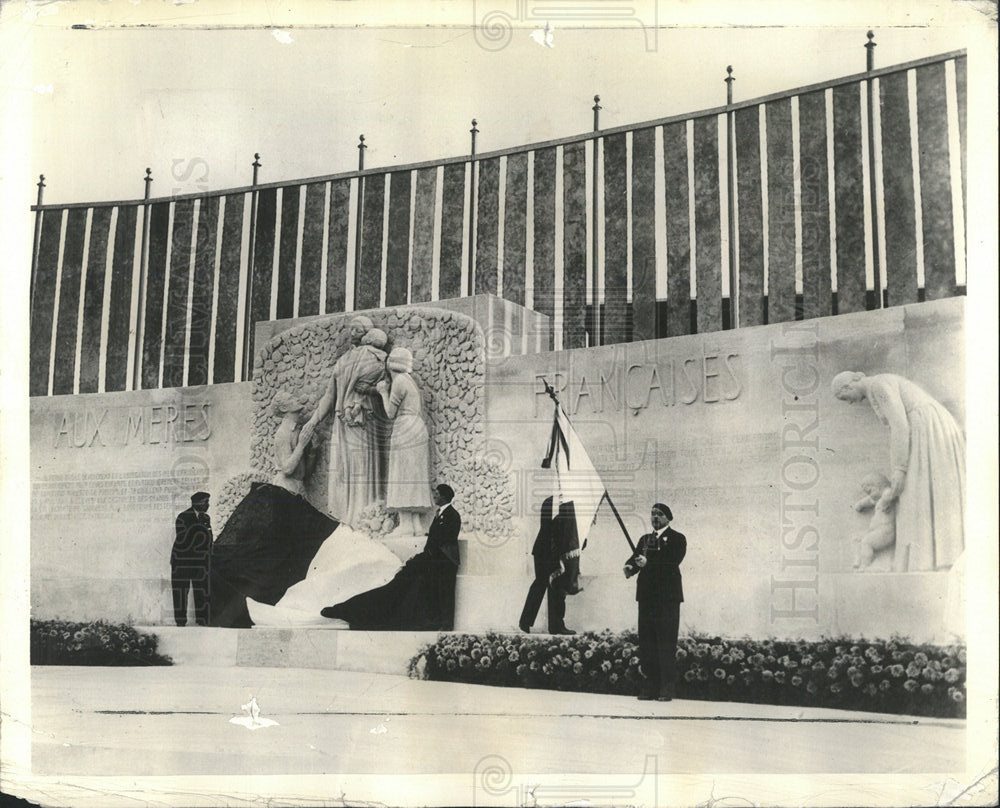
{"x":550,"y":391}
{"x":621,"y":524}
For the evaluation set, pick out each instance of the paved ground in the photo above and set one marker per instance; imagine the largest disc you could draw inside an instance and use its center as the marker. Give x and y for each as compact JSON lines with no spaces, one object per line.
{"x":176,"y":720}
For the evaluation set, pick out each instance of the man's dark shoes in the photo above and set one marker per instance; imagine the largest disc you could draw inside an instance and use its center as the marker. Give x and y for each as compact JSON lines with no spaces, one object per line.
{"x":665,"y":696}
{"x":564,"y":631}
{"x":329,"y":611}
{"x":647,"y":695}
{"x":524,"y":628}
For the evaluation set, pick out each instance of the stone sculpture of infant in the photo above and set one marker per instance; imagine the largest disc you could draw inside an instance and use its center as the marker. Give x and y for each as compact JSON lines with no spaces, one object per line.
{"x":881,"y":533}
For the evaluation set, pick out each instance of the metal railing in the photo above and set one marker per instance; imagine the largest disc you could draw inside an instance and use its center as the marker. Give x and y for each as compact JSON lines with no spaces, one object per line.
{"x":835,"y":197}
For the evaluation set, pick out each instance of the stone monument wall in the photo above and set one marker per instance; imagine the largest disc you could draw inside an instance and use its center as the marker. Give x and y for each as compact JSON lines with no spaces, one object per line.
{"x":739,"y":433}
{"x":109,"y":473}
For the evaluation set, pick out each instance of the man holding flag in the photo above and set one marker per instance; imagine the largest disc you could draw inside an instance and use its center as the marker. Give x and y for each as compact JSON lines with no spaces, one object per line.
{"x":659,"y":594}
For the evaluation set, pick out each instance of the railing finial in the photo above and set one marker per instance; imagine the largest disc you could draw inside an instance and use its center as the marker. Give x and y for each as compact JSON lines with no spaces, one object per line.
{"x":474,"y":131}
{"x":361,"y":152}
{"x":256,"y":166}
{"x":870,"y":46}
{"x":734,"y":313}
{"x":41,"y":188}
{"x":148,"y":179}
{"x":597,"y":112}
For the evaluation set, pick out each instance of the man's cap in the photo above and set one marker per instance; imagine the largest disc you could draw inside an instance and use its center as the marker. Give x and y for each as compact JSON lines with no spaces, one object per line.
{"x":659,"y":506}
{"x":200,"y":496}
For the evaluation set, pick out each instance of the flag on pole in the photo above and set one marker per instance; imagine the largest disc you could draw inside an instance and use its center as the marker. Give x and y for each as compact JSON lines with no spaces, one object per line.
{"x":577,"y":482}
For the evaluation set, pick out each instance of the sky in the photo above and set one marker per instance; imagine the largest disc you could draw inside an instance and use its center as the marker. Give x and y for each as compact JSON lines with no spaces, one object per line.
{"x":194,"y":105}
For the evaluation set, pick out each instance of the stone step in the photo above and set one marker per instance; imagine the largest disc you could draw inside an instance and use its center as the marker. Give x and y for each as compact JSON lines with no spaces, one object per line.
{"x":334,"y":649}
{"x":387,"y":652}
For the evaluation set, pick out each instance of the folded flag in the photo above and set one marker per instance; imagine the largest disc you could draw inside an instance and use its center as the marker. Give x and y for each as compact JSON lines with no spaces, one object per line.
{"x":577,"y":482}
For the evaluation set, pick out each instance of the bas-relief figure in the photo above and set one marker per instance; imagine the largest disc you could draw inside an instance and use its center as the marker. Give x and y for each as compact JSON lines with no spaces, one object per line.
{"x":357,"y":441}
{"x":349,"y":563}
{"x":349,"y":569}
{"x":448,"y":349}
{"x":292,"y":451}
{"x":881,"y":532}
{"x":927,"y":451}
{"x":408,"y":479}
{"x":284,"y":560}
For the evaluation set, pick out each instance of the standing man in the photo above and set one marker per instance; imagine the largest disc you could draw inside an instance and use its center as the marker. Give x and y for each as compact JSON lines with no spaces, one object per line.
{"x":441,"y":554}
{"x":659,"y":594}
{"x":556,"y":555}
{"x":191,"y":559}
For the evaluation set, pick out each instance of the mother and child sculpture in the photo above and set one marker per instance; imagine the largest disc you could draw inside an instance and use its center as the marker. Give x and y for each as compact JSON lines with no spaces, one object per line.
{"x":920,"y":507}
{"x":279,"y":560}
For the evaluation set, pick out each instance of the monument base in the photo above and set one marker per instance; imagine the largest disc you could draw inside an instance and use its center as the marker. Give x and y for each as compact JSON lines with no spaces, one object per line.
{"x":404,"y":547}
{"x":360,"y":651}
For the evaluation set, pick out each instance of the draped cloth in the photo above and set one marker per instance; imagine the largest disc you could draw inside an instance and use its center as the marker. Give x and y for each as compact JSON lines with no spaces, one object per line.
{"x":420,"y":596}
{"x":265,"y":547}
{"x":280,"y":561}
{"x":347,"y":564}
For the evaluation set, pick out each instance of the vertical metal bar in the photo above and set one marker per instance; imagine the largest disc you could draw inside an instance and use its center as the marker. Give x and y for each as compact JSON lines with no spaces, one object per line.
{"x":36,"y":243}
{"x":872,"y":182}
{"x":471,"y":282}
{"x":140,"y":315}
{"x":248,"y":302}
{"x":734,"y":286}
{"x":360,"y":213}
{"x":595,"y":297}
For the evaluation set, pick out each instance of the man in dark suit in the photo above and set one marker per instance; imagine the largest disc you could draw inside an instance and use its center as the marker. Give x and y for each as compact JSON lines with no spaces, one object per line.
{"x":556,"y":542}
{"x":191,"y":560}
{"x":659,"y":594}
{"x":441,"y":557}
{"x":421,"y":596}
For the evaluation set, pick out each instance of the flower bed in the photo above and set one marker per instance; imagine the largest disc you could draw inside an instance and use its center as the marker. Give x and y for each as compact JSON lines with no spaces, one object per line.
{"x":59,"y":642}
{"x":890,"y":676}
